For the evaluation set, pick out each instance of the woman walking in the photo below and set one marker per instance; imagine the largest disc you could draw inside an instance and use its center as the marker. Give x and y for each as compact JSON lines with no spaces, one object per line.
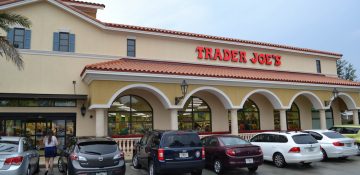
{"x":50,"y":143}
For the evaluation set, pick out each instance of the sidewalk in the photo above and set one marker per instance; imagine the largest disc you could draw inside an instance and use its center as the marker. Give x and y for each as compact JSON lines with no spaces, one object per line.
{"x":42,"y":161}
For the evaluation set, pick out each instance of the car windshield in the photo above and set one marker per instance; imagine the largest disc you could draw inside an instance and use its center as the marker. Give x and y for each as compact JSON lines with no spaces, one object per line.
{"x":230,"y":141}
{"x":181,"y":140}
{"x":98,"y":147}
{"x":304,"y":139}
{"x":333,"y":135}
{"x":9,"y":146}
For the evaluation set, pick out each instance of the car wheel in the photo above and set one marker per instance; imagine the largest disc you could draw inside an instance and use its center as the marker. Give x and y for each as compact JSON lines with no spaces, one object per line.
{"x":197,"y":172}
{"x":306,"y":164}
{"x":37,"y":170}
{"x":28,"y":171}
{"x":279,"y":160}
{"x":135,"y":161}
{"x":218,"y":168}
{"x":252,"y":169}
{"x":325,"y":157}
{"x":343,"y":158}
{"x":60,"y":165}
{"x":151,"y":169}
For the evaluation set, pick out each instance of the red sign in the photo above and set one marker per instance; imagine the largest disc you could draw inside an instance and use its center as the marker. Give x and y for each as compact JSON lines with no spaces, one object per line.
{"x":237,"y":56}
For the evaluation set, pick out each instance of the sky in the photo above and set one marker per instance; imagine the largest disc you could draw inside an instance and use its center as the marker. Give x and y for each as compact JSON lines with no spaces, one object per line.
{"x":329,"y":25}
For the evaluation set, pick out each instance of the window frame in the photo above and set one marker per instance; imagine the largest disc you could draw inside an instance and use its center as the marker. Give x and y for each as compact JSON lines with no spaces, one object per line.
{"x":290,"y":111}
{"x":23,"y":38}
{"x":318,"y":66}
{"x":252,"y":111}
{"x":130,"y":112}
{"x":128,"y":51}
{"x":193,"y":112}
{"x":68,"y":41}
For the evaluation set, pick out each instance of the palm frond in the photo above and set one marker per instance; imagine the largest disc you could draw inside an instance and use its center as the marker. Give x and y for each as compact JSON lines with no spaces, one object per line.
{"x":10,"y":53}
{"x":7,"y":20}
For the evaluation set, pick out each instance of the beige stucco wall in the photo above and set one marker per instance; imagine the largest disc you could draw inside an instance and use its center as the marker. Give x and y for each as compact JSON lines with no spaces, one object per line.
{"x":266,"y":111}
{"x":305,"y":106}
{"x":93,"y":40}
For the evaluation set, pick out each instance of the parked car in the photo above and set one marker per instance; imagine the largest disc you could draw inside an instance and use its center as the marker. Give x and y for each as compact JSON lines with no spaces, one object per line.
{"x":333,"y":144}
{"x":169,"y":152}
{"x":95,"y":155}
{"x":351,"y":131}
{"x":288,"y":147}
{"x":18,"y":156}
{"x":225,"y":152}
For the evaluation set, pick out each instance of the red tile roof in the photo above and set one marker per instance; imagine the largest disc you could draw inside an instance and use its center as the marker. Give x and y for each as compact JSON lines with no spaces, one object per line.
{"x":187,"y":69}
{"x":172,"y":32}
{"x":84,"y":2}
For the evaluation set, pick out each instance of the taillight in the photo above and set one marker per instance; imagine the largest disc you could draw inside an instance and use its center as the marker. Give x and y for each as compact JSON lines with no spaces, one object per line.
{"x":203,"y":153}
{"x":230,"y":152}
{"x":338,"y":144}
{"x":161,"y":154}
{"x":119,"y":156}
{"x":294,"y":150}
{"x":74,"y":156}
{"x":14,"y":160}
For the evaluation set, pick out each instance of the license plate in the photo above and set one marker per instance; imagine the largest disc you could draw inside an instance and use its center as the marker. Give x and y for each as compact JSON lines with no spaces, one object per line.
{"x":310,"y":149}
{"x":348,"y":144}
{"x":101,"y":173}
{"x":248,"y":161}
{"x":183,"y":155}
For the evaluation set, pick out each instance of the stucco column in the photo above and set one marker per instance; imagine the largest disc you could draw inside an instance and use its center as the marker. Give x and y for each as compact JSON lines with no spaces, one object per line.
{"x":174,"y":123}
{"x":356,"y":116}
{"x":99,"y":122}
{"x":234,"y":122}
{"x":322,"y":119}
{"x":283,"y":124}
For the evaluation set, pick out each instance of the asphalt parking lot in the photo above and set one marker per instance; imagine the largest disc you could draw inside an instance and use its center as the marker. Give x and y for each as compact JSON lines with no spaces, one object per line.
{"x":330,"y":167}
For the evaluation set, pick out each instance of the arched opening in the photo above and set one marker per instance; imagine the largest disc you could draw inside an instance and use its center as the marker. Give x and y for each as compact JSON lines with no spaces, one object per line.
{"x":249,"y":116}
{"x":316,"y":118}
{"x":292,"y":118}
{"x":129,"y":114}
{"x":343,"y":108}
{"x":196,"y":115}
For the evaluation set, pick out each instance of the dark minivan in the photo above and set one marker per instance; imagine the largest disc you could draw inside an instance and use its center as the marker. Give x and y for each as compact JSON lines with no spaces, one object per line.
{"x":92,"y":155}
{"x":169,"y":152}
{"x":226,"y":152}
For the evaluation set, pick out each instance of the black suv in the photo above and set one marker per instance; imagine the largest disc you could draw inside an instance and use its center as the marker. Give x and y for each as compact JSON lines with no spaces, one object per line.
{"x":169,"y":152}
{"x":92,"y":155}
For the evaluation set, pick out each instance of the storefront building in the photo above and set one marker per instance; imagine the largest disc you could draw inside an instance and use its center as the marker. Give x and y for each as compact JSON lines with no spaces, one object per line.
{"x":87,"y":77}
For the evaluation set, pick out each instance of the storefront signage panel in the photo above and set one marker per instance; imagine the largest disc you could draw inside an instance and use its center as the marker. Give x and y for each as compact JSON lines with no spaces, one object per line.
{"x":239,"y":56}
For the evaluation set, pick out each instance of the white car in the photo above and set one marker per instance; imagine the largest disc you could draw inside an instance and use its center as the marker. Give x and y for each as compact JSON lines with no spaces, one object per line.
{"x":288,"y":147}
{"x":333,"y":144}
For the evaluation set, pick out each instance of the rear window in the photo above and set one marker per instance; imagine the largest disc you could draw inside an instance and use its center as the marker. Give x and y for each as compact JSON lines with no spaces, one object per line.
{"x":9,"y":146}
{"x":350,"y":130}
{"x":304,"y":139}
{"x":181,"y":140}
{"x":333,"y":135}
{"x":98,"y":148}
{"x":230,"y":141}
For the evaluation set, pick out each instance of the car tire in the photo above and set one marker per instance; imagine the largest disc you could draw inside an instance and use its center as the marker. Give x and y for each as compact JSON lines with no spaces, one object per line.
{"x":218,"y":166}
{"x":28,"y":171}
{"x":279,"y":160}
{"x":343,"y":158}
{"x":60,"y":165}
{"x":37,"y":170}
{"x":325,"y":157}
{"x":253,"y":169}
{"x":135,"y":162}
{"x":197,"y":172}
{"x":151,"y":169}
{"x":306,"y":164}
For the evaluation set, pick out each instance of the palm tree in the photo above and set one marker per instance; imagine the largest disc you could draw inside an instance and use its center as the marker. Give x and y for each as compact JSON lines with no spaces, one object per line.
{"x":6,"y":48}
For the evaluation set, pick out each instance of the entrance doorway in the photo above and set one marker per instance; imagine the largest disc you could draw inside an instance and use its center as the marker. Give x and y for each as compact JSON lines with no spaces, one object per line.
{"x":35,"y":126}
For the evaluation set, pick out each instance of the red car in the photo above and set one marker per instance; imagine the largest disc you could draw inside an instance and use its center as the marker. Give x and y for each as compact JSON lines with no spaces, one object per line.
{"x":226,"y":152}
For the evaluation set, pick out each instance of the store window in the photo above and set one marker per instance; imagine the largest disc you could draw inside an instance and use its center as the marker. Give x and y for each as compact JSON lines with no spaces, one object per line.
{"x":131,"y":47}
{"x":249,"y":117}
{"x":196,"y":115}
{"x":293,"y":118}
{"x":34,"y":102}
{"x":316,"y":118}
{"x":129,"y":114}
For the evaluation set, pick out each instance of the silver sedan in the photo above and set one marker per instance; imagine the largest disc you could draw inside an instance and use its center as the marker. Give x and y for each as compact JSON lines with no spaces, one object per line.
{"x":18,"y":156}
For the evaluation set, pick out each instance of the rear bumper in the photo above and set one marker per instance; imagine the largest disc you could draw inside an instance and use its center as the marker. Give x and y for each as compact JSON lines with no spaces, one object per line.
{"x":14,"y":170}
{"x":240,"y":162}
{"x":180,"y":166}
{"x":115,"y":170}
{"x":335,"y":152}
{"x":300,"y":158}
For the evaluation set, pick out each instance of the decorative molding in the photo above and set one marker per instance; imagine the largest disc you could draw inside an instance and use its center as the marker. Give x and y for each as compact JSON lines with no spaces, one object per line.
{"x":314,"y":99}
{"x":272,"y":97}
{"x":84,"y":5}
{"x":68,"y":54}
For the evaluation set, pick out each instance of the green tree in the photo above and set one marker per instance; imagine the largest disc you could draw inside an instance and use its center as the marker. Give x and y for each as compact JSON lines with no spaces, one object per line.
{"x":7,"y":50}
{"x":346,"y":70}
